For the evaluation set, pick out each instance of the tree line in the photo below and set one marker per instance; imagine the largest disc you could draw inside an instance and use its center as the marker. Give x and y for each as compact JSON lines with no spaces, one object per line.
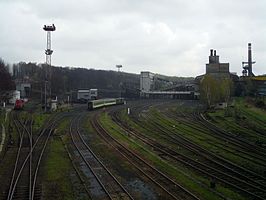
{"x":67,"y":79}
{"x":6,"y":82}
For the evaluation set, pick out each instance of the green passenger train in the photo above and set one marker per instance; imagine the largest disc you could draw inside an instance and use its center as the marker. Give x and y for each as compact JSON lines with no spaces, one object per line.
{"x":99,"y":103}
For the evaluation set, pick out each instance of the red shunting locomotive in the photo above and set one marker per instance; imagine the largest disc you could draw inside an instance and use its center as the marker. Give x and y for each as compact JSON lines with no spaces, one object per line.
{"x":19,"y":104}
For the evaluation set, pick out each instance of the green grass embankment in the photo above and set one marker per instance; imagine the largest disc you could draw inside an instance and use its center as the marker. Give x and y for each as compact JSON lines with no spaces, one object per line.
{"x":256,"y":117}
{"x":244,"y":120}
{"x":57,"y":167}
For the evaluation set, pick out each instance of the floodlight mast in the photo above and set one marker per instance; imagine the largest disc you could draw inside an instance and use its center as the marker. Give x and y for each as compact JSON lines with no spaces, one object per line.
{"x":118,"y":67}
{"x":48,"y":53}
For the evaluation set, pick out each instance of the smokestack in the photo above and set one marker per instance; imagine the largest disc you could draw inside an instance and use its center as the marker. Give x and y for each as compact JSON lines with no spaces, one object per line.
{"x":249,"y":53}
{"x":247,"y":66}
{"x":211,"y":52}
{"x":249,"y":60}
{"x":214,"y":52}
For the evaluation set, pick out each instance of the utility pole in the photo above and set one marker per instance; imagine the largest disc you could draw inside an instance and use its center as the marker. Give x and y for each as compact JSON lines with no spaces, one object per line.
{"x":48,"y":53}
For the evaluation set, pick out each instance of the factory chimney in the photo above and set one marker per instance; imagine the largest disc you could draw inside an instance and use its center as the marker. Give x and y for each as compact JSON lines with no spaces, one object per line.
{"x":250,"y":60}
{"x":247,"y":66}
{"x":213,"y":58}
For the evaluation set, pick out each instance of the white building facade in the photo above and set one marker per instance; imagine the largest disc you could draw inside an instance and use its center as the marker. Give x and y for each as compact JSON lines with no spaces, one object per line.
{"x":146,"y":81}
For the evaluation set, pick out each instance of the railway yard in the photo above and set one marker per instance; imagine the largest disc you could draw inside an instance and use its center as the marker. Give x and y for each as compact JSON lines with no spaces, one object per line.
{"x":144,"y":149}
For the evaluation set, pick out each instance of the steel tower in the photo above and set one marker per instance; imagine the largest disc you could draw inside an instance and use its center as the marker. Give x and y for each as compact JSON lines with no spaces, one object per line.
{"x":48,"y":53}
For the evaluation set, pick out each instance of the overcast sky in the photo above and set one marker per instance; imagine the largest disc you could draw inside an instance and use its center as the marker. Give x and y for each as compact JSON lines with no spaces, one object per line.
{"x":171,"y":37}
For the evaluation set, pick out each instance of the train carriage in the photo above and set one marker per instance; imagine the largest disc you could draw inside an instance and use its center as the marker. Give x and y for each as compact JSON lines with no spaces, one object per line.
{"x":109,"y":102}
{"x":94,"y":104}
{"x":120,"y":101}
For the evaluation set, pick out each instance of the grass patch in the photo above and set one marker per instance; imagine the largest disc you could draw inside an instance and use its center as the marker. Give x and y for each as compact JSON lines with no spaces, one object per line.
{"x":246,"y":122}
{"x":39,"y":120}
{"x":63,"y":127}
{"x":58,"y":166}
{"x":56,"y":181}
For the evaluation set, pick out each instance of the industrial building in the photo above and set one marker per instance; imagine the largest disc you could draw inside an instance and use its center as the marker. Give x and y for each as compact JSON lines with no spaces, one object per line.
{"x":258,"y":87}
{"x":149,"y":88}
{"x":170,"y":95}
{"x":87,"y":94}
{"x":219,"y":71}
{"x":215,"y":68}
{"x":24,"y":88}
{"x":146,"y":81}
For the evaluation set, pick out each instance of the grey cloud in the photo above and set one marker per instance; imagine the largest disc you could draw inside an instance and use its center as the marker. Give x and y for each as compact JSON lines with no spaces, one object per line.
{"x":171,"y":37}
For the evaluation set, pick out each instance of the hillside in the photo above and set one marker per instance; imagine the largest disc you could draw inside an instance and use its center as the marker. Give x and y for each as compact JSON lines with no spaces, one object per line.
{"x":67,"y":79}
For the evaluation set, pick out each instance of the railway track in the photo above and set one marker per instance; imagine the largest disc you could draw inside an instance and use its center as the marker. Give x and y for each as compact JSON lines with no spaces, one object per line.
{"x":20,"y":184}
{"x":226,"y":141}
{"x":161,"y":180}
{"x":23,"y":184}
{"x":107,"y":182}
{"x":258,"y":152}
{"x":259,"y":122}
{"x":208,"y":166}
{"x":250,"y":183}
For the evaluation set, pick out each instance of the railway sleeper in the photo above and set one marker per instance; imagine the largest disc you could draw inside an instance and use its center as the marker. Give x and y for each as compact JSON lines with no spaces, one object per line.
{"x":22,"y":192}
{"x":119,"y":195}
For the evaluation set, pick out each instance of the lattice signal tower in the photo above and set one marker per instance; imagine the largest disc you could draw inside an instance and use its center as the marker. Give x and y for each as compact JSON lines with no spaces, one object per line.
{"x":49,"y":51}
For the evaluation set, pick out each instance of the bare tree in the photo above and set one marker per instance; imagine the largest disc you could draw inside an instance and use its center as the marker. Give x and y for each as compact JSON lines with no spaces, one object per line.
{"x":6,"y":83}
{"x":225,"y":90}
{"x":209,"y":90}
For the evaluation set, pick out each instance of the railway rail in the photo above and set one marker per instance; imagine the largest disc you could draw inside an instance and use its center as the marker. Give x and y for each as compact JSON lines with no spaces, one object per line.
{"x":209,"y":167}
{"x":23,"y":184}
{"x":258,"y":151}
{"x":107,"y":182}
{"x":227,"y":142}
{"x":250,"y":183}
{"x":161,"y":180}
{"x":243,"y":180}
